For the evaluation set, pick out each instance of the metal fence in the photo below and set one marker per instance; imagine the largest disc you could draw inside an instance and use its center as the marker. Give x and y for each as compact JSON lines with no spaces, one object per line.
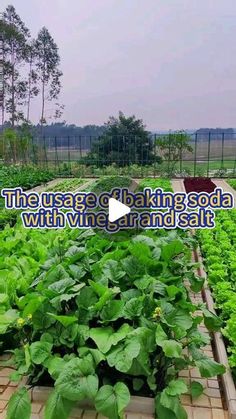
{"x":211,"y":154}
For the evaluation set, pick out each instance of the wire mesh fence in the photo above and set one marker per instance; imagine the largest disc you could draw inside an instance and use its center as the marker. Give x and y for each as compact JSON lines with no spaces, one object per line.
{"x":207,"y":154}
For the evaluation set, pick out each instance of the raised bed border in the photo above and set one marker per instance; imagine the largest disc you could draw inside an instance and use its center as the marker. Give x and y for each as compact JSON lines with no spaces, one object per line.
{"x":221,"y":353}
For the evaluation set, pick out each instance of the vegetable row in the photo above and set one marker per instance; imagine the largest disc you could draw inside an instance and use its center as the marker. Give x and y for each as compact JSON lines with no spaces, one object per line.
{"x":218,"y":248}
{"x":102,"y":317}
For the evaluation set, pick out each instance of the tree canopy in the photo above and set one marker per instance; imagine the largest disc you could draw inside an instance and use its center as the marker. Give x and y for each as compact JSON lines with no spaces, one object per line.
{"x":125,"y":141}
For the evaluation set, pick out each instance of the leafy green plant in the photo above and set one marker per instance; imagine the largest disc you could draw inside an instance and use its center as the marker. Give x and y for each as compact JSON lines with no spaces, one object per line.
{"x":106,"y":184}
{"x":218,"y":249}
{"x":26,"y":177}
{"x":232,"y":182}
{"x":164,"y":184}
{"x":104,"y":319}
{"x":16,"y":176}
{"x":66,"y":185}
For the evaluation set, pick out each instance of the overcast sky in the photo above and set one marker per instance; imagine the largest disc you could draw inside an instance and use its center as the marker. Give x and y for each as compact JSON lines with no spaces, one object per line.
{"x":170,"y":62}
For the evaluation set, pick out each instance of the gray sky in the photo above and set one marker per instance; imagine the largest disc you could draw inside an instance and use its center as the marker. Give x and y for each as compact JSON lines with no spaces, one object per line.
{"x":170,"y":62}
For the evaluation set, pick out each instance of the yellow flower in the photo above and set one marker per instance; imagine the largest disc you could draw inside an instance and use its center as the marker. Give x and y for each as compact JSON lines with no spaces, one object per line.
{"x":20,"y":322}
{"x":157,"y":313}
{"x":29,"y":316}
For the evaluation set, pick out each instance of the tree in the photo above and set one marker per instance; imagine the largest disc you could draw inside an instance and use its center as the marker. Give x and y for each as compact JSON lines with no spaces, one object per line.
{"x":47,"y":65}
{"x":124,"y":142}
{"x":172,"y":147}
{"x":15,"y":35}
{"x":32,"y":85}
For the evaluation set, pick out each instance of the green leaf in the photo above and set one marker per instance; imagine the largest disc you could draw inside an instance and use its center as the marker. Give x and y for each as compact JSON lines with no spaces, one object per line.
{"x":55,"y":366}
{"x":96,"y":354}
{"x":145,"y":282}
{"x":40,"y":351}
{"x":173,"y":403}
{"x":33,"y":305}
{"x":160,"y":335}
{"x":121,"y":357}
{"x":78,"y":381}
{"x":171,"y":250}
{"x":173,"y":291}
{"x":77,"y":271}
{"x":111,"y":401}
{"x":163,"y":412}
{"x":179,"y":318}
{"x":57,"y":407}
{"x":171,"y":348}
{"x":61,"y":286}
{"x":144,"y":239}
{"x":112,"y":311}
{"x":196,"y":282}
{"x":169,"y":407}
{"x":142,"y":252}
{"x":105,"y":337}
{"x":56,"y":273}
{"x":133,"y":308}
{"x":196,"y":389}
{"x":112,"y":271}
{"x":7,"y":319}
{"x":209,"y":368}
{"x":19,"y":405}
{"x":132,"y":266}
{"x":64,"y":320}
{"x":212,"y":322}
{"x":176,"y":388}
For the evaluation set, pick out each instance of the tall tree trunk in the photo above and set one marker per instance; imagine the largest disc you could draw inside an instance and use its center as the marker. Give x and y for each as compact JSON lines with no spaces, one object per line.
{"x":12,"y":100}
{"x":29,"y":93}
{"x":43,"y":99}
{"x":43,"y":106}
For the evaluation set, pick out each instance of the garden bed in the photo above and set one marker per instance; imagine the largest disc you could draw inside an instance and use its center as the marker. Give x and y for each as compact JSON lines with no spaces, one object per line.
{"x":199,"y":185}
{"x":220,"y":349}
{"x":104,"y":318}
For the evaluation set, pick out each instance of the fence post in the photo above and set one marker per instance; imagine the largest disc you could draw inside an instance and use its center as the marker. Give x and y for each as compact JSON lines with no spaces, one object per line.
{"x":68,"y":149}
{"x":155,"y":162}
{"x":208,"y":153}
{"x":45,"y":152}
{"x":195,"y":155}
{"x":56,"y":156}
{"x":181,"y":154}
{"x":222,"y":150}
{"x":169,"y":139}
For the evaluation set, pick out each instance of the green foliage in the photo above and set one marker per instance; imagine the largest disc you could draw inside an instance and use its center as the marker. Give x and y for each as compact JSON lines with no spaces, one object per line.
{"x":218,"y":248}
{"x":26,"y":177}
{"x":19,"y":405}
{"x":66,"y":185}
{"x":111,"y":401}
{"x":232,"y":182}
{"x":106,"y":184}
{"x":172,"y":147}
{"x":124,"y":142}
{"x":164,"y":184}
{"x":103,"y":318}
